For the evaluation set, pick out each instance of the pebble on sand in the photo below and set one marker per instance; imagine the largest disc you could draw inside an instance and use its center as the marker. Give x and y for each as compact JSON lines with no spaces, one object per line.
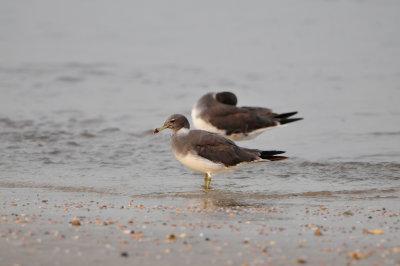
{"x":75,"y":222}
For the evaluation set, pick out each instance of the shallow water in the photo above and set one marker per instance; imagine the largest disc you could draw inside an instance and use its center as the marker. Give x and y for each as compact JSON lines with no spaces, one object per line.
{"x":80,"y":97}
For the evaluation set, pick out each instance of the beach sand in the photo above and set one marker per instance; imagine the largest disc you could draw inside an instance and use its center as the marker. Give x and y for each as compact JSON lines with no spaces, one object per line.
{"x":59,"y":227}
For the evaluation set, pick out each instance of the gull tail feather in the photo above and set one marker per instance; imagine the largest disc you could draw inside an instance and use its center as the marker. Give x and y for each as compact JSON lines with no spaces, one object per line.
{"x":286,"y":115}
{"x":272,"y":155}
{"x":288,"y":120}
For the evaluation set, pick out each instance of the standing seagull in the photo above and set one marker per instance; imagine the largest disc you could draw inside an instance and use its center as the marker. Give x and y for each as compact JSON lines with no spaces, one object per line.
{"x":217,"y":112}
{"x":207,"y":152}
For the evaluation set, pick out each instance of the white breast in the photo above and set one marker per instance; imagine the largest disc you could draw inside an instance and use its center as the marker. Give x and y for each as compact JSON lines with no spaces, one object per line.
{"x":200,"y":164}
{"x":202,"y":124}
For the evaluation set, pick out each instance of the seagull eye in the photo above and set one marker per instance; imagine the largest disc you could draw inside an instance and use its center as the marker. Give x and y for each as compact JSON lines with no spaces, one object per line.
{"x":172,"y":120}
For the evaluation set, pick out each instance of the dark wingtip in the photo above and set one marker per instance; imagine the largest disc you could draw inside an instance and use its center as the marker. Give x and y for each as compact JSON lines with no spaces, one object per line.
{"x":271,"y":155}
{"x":289,"y":120}
{"x":286,"y":115}
{"x":276,"y":158}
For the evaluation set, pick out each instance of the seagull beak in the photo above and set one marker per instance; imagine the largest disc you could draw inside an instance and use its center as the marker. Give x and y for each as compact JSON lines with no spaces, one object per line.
{"x":159,"y":129}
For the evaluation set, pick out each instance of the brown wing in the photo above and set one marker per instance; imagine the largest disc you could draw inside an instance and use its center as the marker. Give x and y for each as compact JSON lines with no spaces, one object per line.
{"x":241,"y":120}
{"x":259,"y":111}
{"x":219,"y":149}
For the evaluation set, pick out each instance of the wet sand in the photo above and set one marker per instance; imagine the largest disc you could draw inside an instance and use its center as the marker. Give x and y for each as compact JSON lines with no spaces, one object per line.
{"x":59,"y":227}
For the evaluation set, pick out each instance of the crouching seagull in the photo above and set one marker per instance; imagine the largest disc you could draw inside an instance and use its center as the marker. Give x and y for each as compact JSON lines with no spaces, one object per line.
{"x":217,"y":112}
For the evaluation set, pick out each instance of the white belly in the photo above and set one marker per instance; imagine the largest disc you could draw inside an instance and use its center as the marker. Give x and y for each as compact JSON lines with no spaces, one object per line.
{"x":200,"y":164}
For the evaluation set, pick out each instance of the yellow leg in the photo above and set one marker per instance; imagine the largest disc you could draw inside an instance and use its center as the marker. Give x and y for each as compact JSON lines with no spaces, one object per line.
{"x":207,"y":181}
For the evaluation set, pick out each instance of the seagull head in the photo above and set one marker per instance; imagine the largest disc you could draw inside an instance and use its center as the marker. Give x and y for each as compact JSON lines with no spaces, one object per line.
{"x":174,"y":122}
{"x":226,"y":97}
